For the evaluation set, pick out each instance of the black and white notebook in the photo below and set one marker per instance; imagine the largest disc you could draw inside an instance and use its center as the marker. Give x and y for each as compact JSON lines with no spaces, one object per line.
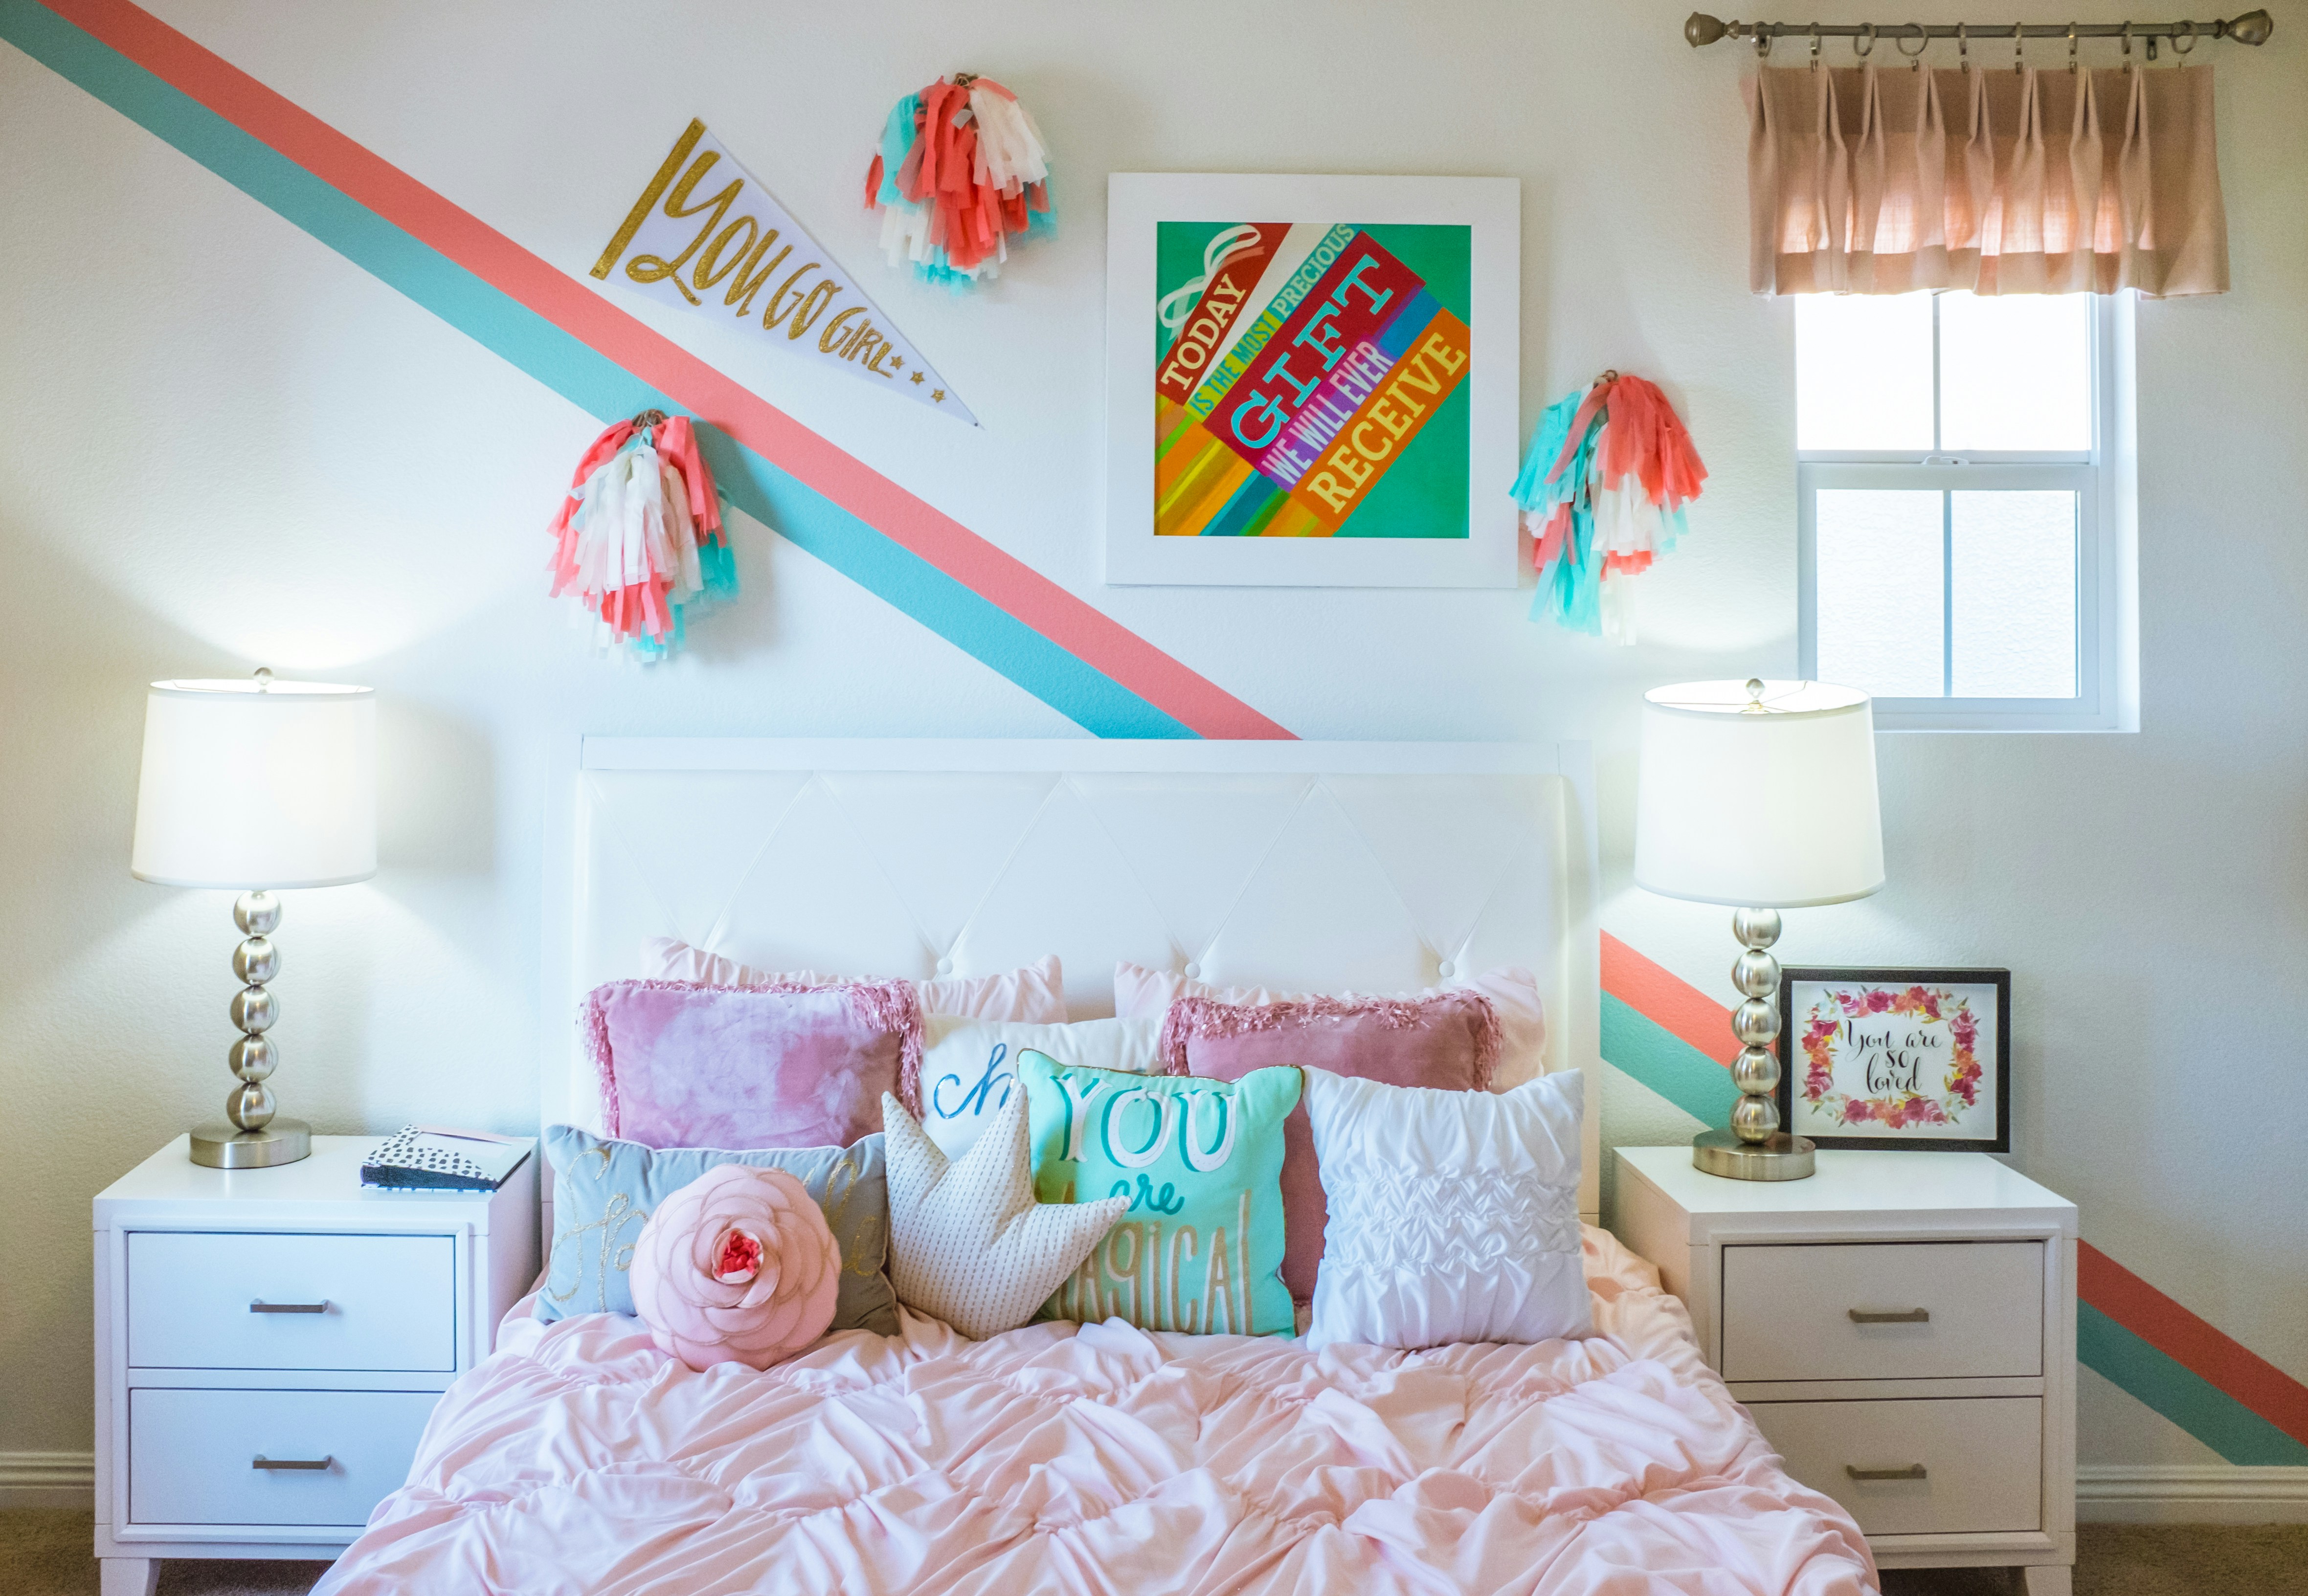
{"x":427,"y":1157}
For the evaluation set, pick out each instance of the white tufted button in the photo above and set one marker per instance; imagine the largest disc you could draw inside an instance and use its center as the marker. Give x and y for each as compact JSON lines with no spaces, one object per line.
{"x":1446,"y":969}
{"x":945,"y":966}
{"x":1194,"y":972}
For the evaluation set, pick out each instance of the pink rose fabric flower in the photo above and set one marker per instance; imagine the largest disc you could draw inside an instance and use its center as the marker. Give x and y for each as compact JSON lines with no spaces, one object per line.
{"x":737,"y":1266}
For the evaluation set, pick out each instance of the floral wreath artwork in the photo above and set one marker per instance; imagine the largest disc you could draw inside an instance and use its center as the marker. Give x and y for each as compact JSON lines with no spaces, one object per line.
{"x":1904,"y":1099}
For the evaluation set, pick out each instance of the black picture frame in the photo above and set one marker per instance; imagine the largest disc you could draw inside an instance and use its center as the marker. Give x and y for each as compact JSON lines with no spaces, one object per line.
{"x":1791,"y":1064}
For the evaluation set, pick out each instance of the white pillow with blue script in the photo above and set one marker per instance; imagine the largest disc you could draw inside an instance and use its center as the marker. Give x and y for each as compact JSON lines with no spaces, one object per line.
{"x":969,"y":1067}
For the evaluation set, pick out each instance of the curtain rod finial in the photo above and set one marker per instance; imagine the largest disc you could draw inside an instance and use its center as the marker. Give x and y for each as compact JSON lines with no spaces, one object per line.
{"x":2251,"y":28}
{"x":1700,"y":29}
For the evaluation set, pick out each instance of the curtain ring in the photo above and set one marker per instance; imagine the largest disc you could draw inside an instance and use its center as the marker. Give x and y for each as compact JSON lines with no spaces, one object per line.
{"x":2177,"y":35}
{"x":1762,"y":41}
{"x":2019,"y":43}
{"x":1867,"y":32}
{"x":2151,"y":46}
{"x":2127,"y":41}
{"x":1963,"y":47}
{"x":2071,"y":50}
{"x":1922,"y":39}
{"x":1815,"y":46}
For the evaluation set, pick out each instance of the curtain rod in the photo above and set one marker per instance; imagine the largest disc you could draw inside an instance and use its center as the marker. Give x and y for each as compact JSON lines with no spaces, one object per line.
{"x":2252,"y":28}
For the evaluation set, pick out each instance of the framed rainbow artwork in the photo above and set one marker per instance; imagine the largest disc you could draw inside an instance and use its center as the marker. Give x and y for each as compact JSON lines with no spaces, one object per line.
{"x":1312,"y":380}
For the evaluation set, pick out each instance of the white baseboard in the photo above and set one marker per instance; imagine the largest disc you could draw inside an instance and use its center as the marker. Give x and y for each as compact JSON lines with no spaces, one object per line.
{"x":47,"y":1479}
{"x":2191,"y":1493}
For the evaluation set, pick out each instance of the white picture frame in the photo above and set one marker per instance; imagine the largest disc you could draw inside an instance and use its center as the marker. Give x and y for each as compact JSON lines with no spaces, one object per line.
{"x":1486,"y":554}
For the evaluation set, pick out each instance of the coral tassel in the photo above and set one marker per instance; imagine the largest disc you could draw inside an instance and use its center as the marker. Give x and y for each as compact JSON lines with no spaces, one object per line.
{"x":961,"y":170}
{"x":1619,"y":467}
{"x":639,"y":534}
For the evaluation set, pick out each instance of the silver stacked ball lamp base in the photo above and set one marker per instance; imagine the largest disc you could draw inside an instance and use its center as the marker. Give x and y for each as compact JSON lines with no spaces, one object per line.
{"x":251,"y":1135}
{"x":1754,"y":1148}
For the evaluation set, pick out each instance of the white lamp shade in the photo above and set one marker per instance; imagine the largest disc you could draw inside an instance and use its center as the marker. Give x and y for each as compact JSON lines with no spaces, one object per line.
{"x":1770,"y":809}
{"x":247,"y":787}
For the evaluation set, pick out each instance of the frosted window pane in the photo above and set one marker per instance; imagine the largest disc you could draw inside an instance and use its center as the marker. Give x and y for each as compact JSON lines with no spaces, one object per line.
{"x":1864,"y":371}
{"x":2015,"y":595}
{"x":2015,"y":371}
{"x":1880,"y":591}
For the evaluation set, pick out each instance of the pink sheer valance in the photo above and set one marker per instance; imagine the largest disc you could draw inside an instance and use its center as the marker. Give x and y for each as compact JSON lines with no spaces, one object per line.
{"x":1878,"y":181}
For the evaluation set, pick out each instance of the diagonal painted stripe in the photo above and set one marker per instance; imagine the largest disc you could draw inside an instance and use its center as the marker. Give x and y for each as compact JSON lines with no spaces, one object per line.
{"x":1669,"y":1000}
{"x":1061,"y":649}
{"x":1666,"y":1063}
{"x":2193,"y":1342}
{"x":2218,"y":1419}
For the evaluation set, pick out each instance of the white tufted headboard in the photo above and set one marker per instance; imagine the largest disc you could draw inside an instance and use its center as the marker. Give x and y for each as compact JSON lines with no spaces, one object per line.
{"x":1378,"y":867}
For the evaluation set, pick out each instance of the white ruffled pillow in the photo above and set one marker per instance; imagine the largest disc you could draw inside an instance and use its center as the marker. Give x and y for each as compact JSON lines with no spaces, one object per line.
{"x":1034,"y":994}
{"x":1454,"y":1215}
{"x":1140,"y":994}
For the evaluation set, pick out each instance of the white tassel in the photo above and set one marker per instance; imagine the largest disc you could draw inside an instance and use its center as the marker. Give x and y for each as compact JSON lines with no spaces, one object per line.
{"x":1011,"y":153}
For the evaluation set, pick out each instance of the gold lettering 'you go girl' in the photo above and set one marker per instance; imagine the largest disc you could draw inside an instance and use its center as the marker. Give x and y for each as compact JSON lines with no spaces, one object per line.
{"x":707,"y":237}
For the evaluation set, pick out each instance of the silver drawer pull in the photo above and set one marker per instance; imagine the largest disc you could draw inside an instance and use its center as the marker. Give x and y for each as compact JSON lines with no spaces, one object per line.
{"x":1912,"y":1471}
{"x":319,"y":1307}
{"x":262,"y":1461}
{"x":1905,"y":1315}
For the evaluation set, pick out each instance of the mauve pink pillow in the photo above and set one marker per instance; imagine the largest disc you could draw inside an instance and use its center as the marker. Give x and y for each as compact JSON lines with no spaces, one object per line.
{"x":1448,"y":1039}
{"x":690,"y":1065}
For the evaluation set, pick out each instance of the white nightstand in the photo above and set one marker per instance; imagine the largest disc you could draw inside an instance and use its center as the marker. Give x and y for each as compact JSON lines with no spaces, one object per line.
{"x":270,"y":1343}
{"x":1902,"y":1326}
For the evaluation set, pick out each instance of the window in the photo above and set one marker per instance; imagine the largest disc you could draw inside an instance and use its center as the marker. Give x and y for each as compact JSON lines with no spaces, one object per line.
{"x":1966,"y":554}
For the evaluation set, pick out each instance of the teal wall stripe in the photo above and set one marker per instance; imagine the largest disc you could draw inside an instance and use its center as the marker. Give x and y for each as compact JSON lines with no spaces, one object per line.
{"x":587,"y":378}
{"x":2187,"y":1399}
{"x":1666,"y":1063}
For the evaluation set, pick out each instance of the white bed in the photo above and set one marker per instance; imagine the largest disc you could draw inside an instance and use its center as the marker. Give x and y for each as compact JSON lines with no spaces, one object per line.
{"x":1098,"y":1457}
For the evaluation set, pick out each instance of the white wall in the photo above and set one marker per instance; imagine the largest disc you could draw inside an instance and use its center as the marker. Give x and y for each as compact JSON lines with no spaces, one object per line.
{"x":227,"y":446}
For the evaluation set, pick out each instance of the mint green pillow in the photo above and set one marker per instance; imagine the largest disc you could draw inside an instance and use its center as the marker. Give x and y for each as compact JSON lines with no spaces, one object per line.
{"x":1200,"y":1247}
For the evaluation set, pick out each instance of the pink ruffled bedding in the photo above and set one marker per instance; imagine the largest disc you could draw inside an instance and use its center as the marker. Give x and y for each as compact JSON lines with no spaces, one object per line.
{"x":1101,"y":1458}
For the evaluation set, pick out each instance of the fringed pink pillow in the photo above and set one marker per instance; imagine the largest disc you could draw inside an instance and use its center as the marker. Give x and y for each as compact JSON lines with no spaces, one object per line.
{"x":690,"y":1065}
{"x":1449,"y":1040}
{"x":737,"y":1266}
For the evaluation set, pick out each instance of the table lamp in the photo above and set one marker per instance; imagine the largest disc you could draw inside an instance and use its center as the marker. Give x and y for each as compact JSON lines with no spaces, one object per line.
{"x":255,"y":785}
{"x":1760,"y":795}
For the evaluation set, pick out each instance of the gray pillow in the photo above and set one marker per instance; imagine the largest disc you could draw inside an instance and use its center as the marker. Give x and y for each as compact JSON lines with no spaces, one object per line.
{"x":604,"y":1191}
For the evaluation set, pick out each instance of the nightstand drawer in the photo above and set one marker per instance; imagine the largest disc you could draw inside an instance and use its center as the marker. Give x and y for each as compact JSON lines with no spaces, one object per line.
{"x":193,"y":1454}
{"x":1958,"y":1465}
{"x":194,"y":1298}
{"x":1924,"y":1310}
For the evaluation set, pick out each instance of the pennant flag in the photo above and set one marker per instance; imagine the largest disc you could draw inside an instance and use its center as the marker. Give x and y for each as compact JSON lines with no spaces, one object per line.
{"x":707,"y":237}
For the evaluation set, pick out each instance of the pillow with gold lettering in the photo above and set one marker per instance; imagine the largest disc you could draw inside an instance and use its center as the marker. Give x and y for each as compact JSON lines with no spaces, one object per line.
{"x":1200,"y":1247}
{"x":604,"y":1190}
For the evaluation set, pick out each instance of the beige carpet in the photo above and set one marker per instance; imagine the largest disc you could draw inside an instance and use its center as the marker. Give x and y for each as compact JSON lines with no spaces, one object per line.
{"x":45,"y":1553}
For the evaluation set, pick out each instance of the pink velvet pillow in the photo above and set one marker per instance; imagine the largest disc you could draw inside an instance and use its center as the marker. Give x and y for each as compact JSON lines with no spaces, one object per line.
{"x":689,"y":1066}
{"x":1033,"y":994}
{"x":1449,"y":1040}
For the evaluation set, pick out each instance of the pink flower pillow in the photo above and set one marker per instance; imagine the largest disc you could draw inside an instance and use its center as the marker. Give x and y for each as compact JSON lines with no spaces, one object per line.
{"x":1447,"y":1040}
{"x":737,"y":1266}
{"x":685,"y":1066}
{"x":1034,"y":994}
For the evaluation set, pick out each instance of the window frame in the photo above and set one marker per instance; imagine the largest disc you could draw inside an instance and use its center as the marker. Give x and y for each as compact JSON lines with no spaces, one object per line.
{"x":2106,"y":581}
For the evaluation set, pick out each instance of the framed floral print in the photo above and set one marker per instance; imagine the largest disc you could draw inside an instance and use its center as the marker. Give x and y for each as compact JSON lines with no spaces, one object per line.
{"x":1917,"y":1058}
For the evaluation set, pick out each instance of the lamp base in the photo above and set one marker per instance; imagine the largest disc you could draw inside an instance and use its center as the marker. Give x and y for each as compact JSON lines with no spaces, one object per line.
{"x":1778,"y":1157}
{"x":219,"y":1145}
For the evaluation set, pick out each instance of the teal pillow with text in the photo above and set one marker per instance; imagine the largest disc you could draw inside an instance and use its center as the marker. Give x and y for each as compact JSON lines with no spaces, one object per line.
{"x":1200,"y":1247}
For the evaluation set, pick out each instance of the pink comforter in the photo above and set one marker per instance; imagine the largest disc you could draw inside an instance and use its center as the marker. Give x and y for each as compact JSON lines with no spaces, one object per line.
{"x":1101,"y":1458}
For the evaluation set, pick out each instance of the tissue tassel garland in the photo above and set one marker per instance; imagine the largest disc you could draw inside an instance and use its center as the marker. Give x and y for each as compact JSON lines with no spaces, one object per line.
{"x":639,"y":537}
{"x":962,"y":166}
{"x":1602,"y":492}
